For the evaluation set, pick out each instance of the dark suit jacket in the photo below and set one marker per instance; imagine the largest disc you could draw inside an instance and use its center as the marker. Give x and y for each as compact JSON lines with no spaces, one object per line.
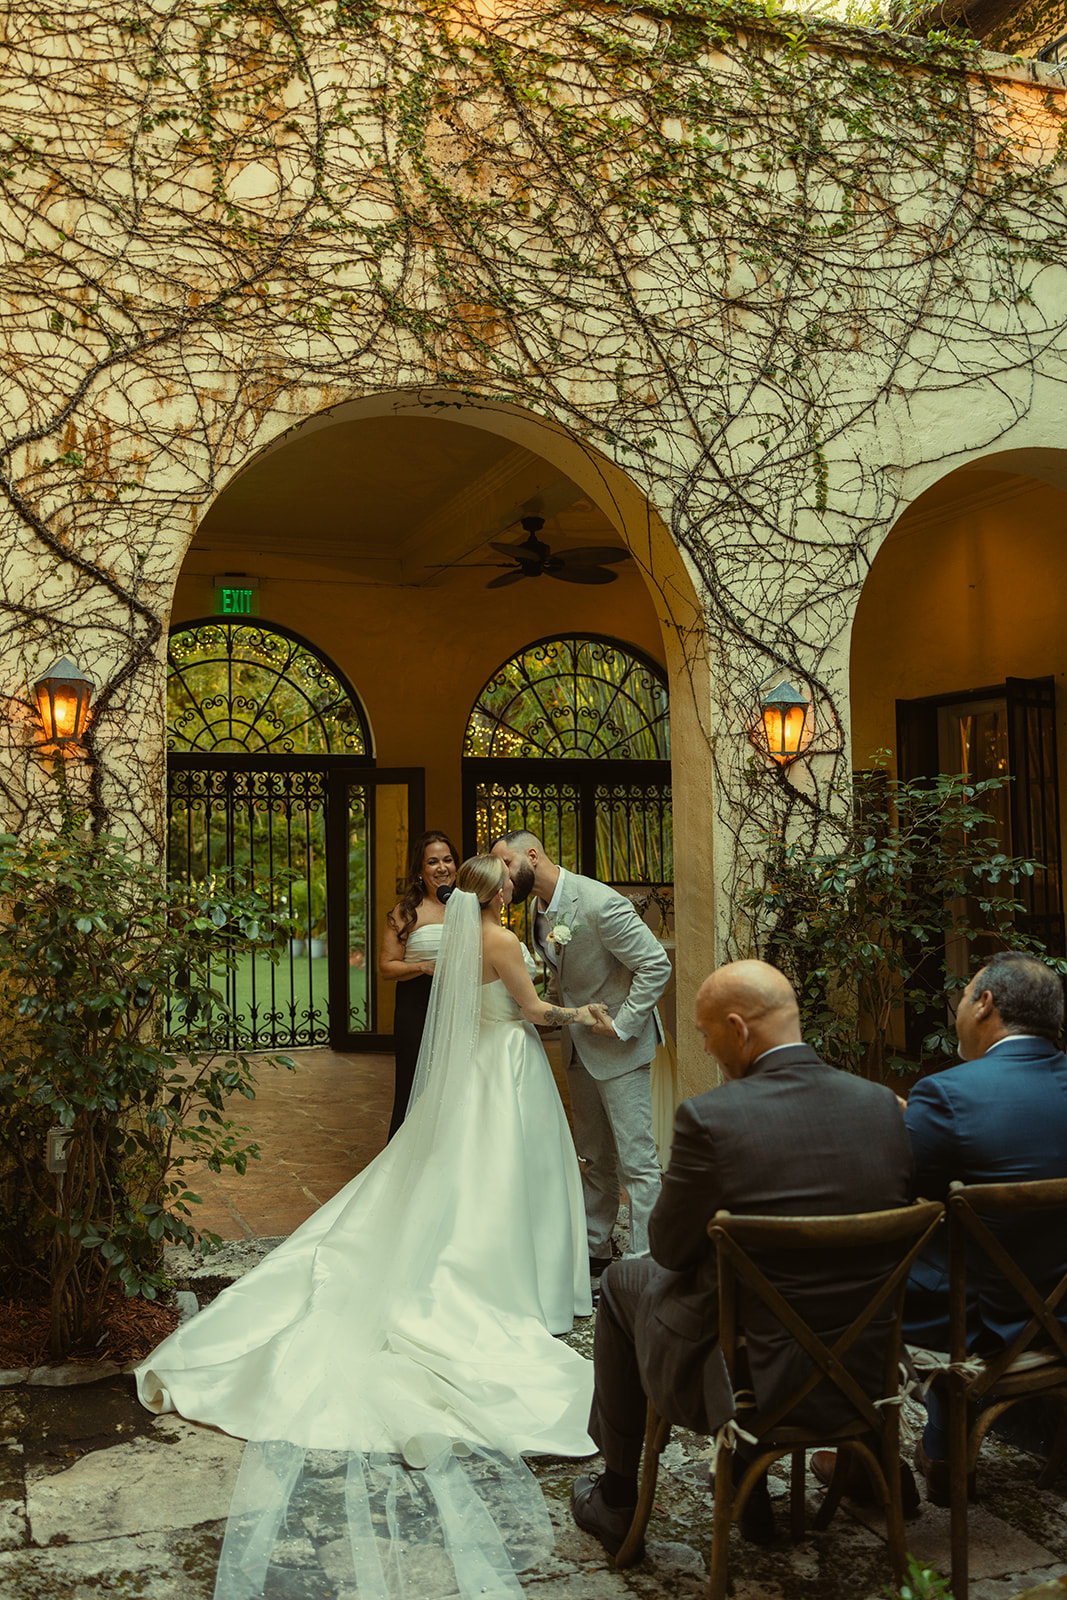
{"x":1000,"y":1119}
{"x":792,"y":1138}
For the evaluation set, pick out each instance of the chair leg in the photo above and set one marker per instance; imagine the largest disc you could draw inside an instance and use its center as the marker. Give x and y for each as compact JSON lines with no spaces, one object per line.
{"x":797,"y":1508}
{"x":834,"y":1493}
{"x":1059,"y":1447}
{"x":722,"y":1519}
{"x":958,"y":1444}
{"x":894,"y":1508}
{"x":657,"y":1432}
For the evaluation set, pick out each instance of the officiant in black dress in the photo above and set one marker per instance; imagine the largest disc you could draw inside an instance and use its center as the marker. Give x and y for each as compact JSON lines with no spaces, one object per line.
{"x":409,"y":953}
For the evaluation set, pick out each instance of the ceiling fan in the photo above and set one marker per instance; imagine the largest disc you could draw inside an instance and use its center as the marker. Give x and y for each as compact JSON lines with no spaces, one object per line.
{"x":534,"y":559}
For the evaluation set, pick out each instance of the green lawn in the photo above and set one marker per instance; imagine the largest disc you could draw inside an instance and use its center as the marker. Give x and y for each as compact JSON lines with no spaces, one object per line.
{"x":298,"y":984}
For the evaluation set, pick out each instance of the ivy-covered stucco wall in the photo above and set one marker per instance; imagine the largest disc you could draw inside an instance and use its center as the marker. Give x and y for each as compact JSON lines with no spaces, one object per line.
{"x":781,"y":274}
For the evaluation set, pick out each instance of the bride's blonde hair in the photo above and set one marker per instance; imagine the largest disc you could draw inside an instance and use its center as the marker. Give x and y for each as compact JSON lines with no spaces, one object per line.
{"x":482,"y":876}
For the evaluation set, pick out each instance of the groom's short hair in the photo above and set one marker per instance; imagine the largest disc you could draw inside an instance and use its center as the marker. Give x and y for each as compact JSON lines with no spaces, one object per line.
{"x":520,"y":839}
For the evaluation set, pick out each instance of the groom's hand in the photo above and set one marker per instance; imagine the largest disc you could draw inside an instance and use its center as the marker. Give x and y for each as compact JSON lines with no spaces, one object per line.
{"x":603,"y":1025}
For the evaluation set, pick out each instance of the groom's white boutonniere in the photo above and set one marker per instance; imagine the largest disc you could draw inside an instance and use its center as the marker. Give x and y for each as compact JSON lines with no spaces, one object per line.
{"x":561,"y":934}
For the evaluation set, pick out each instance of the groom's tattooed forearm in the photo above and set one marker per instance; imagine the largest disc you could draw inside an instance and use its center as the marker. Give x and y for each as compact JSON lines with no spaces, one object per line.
{"x":557,"y":1015}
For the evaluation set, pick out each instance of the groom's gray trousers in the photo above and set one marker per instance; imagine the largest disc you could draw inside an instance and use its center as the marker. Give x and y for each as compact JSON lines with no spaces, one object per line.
{"x":613,"y":1137}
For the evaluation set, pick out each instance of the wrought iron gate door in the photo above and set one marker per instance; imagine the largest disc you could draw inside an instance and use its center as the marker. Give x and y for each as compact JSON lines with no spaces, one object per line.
{"x":325,"y":842}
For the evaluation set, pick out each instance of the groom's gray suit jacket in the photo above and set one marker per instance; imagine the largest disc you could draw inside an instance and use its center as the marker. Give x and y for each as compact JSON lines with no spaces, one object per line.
{"x":612,"y":957}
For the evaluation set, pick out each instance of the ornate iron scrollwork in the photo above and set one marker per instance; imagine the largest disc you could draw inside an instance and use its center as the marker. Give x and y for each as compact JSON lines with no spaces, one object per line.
{"x":581,"y":698}
{"x":257,"y":689}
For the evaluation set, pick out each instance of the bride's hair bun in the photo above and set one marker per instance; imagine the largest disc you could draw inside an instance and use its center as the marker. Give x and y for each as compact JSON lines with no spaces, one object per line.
{"x":482,"y":876}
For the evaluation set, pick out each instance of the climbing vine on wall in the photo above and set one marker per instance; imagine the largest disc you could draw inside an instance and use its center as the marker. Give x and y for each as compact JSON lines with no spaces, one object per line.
{"x":737,"y":250}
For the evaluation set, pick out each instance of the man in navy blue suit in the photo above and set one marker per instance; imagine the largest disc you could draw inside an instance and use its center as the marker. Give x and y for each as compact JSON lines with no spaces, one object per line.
{"x":999,"y":1116}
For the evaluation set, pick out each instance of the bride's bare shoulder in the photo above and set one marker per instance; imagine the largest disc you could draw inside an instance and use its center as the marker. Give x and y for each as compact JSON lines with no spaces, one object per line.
{"x":498,"y":940}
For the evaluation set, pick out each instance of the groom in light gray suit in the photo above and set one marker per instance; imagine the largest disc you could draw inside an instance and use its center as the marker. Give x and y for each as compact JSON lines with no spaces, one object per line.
{"x":600,"y":951}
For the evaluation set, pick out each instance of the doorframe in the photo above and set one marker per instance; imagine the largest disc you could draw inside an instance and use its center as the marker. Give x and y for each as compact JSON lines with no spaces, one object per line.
{"x":414,"y":779}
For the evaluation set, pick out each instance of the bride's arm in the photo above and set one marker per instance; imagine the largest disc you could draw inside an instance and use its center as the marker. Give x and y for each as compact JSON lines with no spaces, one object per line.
{"x":503,"y":958}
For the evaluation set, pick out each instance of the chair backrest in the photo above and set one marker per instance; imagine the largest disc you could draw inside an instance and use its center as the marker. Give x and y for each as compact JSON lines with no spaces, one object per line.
{"x":896,"y":1236}
{"x":969,"y":1207}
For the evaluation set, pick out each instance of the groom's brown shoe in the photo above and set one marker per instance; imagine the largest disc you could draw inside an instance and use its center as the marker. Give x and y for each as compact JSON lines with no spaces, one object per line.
{"x":609,"y":1524}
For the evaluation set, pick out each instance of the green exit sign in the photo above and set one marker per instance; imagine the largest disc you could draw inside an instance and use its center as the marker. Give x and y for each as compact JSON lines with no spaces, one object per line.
{"x":236,"y":596}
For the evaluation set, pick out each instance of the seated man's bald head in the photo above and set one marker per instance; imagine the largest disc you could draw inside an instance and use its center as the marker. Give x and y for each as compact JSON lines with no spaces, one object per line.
{"x":745,"y":1009}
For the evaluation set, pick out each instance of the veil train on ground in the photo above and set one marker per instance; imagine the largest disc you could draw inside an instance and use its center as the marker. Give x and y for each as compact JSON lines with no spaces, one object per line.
{"x":392,"y":1361}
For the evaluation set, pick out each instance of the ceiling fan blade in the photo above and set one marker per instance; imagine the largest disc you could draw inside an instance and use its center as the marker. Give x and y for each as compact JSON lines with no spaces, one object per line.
{"x":584,"y":575}
{"x":510,"y":577}
{"x":507,"y":549}
{"x":598,"y":553}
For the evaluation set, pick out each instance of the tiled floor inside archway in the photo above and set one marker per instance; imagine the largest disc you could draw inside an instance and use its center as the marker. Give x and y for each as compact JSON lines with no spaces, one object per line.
{"x":316,"y":1128}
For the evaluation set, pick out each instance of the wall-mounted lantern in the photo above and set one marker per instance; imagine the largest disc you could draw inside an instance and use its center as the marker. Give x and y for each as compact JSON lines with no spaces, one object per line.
{"x":782,"y":723}
{"x":63,"y":702}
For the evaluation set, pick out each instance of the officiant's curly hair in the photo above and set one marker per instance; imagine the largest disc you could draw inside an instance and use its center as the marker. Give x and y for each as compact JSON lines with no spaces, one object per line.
{"x":483,"y":876}
{"x":415,"y":891}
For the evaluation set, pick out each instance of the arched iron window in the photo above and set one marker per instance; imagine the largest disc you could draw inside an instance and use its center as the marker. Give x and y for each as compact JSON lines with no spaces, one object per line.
{"x":582,"y":698}
{"x":571,"y":739}
{"x":259,"y":690}
{"x":270,"y":777}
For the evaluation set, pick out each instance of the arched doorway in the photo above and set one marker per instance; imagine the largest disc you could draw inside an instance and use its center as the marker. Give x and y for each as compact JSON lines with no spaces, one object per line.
{"x":271,"y":776}
{"x":374,"y":530}
{"x":957,"y":656}
{"x":570,"y":739}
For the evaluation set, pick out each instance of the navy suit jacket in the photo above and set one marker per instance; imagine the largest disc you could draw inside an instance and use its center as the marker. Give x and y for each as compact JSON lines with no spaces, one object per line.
{"x":1000,"y":1119}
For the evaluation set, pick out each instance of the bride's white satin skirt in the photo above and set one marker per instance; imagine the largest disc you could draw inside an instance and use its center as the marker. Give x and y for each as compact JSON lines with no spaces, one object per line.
{"x":422,"y":1297}
{"x":418,"y":1304}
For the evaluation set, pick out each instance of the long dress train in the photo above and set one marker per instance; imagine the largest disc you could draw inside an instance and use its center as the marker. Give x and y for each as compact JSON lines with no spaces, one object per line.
{"x":415,"y":1311}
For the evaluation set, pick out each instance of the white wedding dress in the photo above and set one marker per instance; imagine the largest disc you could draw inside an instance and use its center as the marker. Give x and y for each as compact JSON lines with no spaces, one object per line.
{"x":420,"y":1302}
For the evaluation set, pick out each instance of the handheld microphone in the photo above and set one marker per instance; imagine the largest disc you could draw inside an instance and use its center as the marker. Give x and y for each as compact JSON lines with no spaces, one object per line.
{"x":445,"y":891}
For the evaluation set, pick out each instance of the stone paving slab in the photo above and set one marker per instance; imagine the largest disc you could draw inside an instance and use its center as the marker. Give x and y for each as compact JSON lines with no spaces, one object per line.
{"x":141,"y":1517}
{"x":133,"y":1502}
{"x":150,"y":1566}
{"x":178,"y":1479}
{"x":995,"y":1546}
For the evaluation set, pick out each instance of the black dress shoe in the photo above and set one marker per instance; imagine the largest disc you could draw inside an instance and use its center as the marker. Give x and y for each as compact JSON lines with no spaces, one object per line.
{"x":858,"y":1486}
{"x":598,"y":1265}
{"x":609,"y":1524}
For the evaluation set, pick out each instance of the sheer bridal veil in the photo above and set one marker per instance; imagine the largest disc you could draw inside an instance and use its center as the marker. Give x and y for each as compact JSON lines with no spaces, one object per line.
{"x":419,"y":1492}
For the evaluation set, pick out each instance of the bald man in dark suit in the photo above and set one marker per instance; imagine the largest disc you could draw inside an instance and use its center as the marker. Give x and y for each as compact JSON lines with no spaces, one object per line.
{"x":786,"y":1135}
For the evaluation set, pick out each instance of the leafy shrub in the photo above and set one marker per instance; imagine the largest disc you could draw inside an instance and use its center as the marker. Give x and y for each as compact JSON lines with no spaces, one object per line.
{"x":110,"y":1025}
{"x":870,"y":928}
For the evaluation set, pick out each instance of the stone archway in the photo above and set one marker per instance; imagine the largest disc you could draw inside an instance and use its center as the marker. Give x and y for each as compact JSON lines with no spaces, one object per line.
{"x":371,"y":529}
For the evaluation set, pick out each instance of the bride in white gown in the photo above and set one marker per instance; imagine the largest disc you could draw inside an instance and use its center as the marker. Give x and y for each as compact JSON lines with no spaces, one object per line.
{"x":414,"y":1313}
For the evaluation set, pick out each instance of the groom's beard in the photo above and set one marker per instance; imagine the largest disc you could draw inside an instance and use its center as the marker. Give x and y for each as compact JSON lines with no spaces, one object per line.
{"x":522,"y":882}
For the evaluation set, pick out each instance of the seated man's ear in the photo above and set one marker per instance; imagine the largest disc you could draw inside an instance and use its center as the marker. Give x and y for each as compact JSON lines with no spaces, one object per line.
{"x":983,"y":1004}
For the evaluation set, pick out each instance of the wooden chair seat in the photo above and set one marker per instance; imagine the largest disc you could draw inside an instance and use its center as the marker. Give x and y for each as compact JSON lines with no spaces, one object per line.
{"x":904,"y":1232}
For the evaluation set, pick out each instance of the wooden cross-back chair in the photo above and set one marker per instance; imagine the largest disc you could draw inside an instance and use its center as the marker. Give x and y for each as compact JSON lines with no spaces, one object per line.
{"x":905,"y":1231}
{"x":1034,"y":1363}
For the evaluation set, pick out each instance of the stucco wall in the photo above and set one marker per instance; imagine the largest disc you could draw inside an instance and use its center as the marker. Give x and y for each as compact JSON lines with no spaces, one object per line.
{"x":754,"y":288}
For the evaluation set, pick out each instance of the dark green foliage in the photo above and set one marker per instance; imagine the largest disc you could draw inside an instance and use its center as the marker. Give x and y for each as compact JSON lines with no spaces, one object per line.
{"x":917,"y":887}
{"x":921,"y":1583}
{"x":110,"y":1024}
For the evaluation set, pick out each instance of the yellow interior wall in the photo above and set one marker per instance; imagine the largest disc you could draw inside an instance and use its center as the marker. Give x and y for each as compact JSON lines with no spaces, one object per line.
{"x":419,"y":657}
{"x":965,"y":592}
